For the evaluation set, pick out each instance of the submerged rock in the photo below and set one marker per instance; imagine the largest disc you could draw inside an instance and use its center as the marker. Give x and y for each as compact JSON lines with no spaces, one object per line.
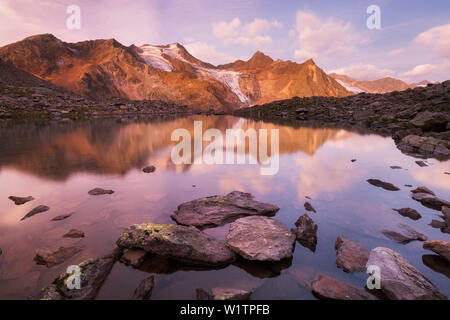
{"x":381,"y":184}
{"x":309,"y":207}
{"x":21,"y":200}
{"x":423,"y":189}
{"x":74,"y":233}
{"x":62,"y":217}
{"x":149,"y":169}
{"x":404,"y":234}
{"x":50,"y":257}
{"x":351,"y":256}
{"x":180,"y":243}
{"x":224,"y":294}
{"x":134,"y":258}
{"x":35,"y":211}
{"x":93,"y":273}
{"x":218,"y":210}
{"x":144,"y":289}
{"x":430,"y":201}
{"x":399,"y":279}
{"x":421,"y":164}
{"x":395,"y":167}
{"x":261,"y":239}
{"x":328,"y":288}
{"x":99,"y":192}
{"x":437,"y":264}
{"x":410,"y":213}
{"x":442,"y":248}
{"x":306,"y":232}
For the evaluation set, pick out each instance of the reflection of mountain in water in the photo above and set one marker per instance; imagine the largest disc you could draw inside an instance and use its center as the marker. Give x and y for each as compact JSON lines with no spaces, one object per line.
{"x":57,"y":150}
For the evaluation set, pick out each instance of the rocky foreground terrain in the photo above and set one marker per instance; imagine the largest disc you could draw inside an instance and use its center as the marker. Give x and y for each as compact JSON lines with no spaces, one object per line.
{"x":417,"y":119}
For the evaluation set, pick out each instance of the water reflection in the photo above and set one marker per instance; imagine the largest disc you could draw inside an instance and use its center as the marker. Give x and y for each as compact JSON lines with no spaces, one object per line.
{"x":58,"y":163}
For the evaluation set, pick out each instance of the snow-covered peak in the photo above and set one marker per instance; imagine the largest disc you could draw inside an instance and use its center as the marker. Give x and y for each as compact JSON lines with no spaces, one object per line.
{"x":154,"y":56}
{"x":349,"y":87}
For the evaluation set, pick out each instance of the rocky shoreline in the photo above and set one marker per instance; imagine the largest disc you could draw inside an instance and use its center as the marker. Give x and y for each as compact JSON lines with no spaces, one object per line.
{"x":252,"y":238}
{"x":45,"y":103}
{"x":417,"y":119}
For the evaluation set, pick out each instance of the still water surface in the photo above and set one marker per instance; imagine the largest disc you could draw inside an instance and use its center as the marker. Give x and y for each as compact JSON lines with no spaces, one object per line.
{"x":58,"y":163}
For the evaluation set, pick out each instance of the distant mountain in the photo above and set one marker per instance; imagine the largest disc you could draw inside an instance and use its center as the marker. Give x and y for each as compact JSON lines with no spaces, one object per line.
{"x":105,"y":68}
{"x":383,"y":85}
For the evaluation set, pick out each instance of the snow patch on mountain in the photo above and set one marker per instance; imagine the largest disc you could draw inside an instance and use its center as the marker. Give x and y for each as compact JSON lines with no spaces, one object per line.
{"x":154,"y":56}
{"x":349,"y":87}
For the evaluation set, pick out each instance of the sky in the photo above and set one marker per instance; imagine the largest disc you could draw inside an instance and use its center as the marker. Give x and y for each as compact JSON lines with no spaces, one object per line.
{"x":412,"y":43}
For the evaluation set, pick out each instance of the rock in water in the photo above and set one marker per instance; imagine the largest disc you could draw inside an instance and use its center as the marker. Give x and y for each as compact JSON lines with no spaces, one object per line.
{"x":261,"y":238}
{"x":37,"y":210}
{"x":134,"y":258}
{"x":149,"y":169}
{"x":144,"y":289}
{"x":399,"y":279}
{"x":184,"y":244}
{"x":218,"y":210}
{"x":421,"y":164}
{"x":309,"y":207}
{"x":423,"y":189}
{"x":351,"y":257}
{"x":327,"y":288}
{"x":100,"y":191}
{"x":437,"y":264}
{"x":442,"y":248}
{"x":408,"y":212}
{"x":51,"y":258}
{"x":93,"y":273}
{"x":404,"y":234}
{"x":306,"y":232}
{"x":224,"y":294}
{"x":62,"y":217}
{"x":21,"y":200}
{"x":74,"y":233}
{"x":396,"y":167}
{"x":430,"y":201}
{"x":381,"y":184}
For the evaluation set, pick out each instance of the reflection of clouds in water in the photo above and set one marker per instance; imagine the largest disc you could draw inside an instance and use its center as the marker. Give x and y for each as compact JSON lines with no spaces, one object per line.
{"x":248,"y":179}
{"x":359,"y":144}
{"x":324,"y":174}
{"x":433,"y":175}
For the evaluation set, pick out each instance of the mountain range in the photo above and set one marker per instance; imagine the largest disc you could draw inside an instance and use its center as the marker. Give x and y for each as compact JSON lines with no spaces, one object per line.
{"x":383,"y":85}
{"x":102,"y":69}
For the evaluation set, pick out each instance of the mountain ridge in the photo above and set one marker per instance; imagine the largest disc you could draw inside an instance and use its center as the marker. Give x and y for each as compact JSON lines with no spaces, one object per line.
{"x":105,"y":68}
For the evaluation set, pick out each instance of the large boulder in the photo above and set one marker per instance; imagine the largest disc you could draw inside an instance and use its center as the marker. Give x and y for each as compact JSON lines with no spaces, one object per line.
{"x":430,"y":121}
{"x":442,"y":248}
{"x":261,"y":239}
{"x":351,"y":256}
{"x":399,"y":279}
{"x":93,"y":273}
{"x":306,"y":232}
{"x":218,"y":210}
{"x":425,"y":145}
{"x":327,"y":288}
{"x":180,"y":243}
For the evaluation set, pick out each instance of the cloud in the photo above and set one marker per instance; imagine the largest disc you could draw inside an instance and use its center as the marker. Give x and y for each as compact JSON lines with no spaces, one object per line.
{"x":364,"y":72}
{"x":208,"y":53}
{"x":438,"y":38}
{"x":422,"y":69}
{"x":318,"y":37}
{"x":396,"y":52}
{"x":253,"y":33}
